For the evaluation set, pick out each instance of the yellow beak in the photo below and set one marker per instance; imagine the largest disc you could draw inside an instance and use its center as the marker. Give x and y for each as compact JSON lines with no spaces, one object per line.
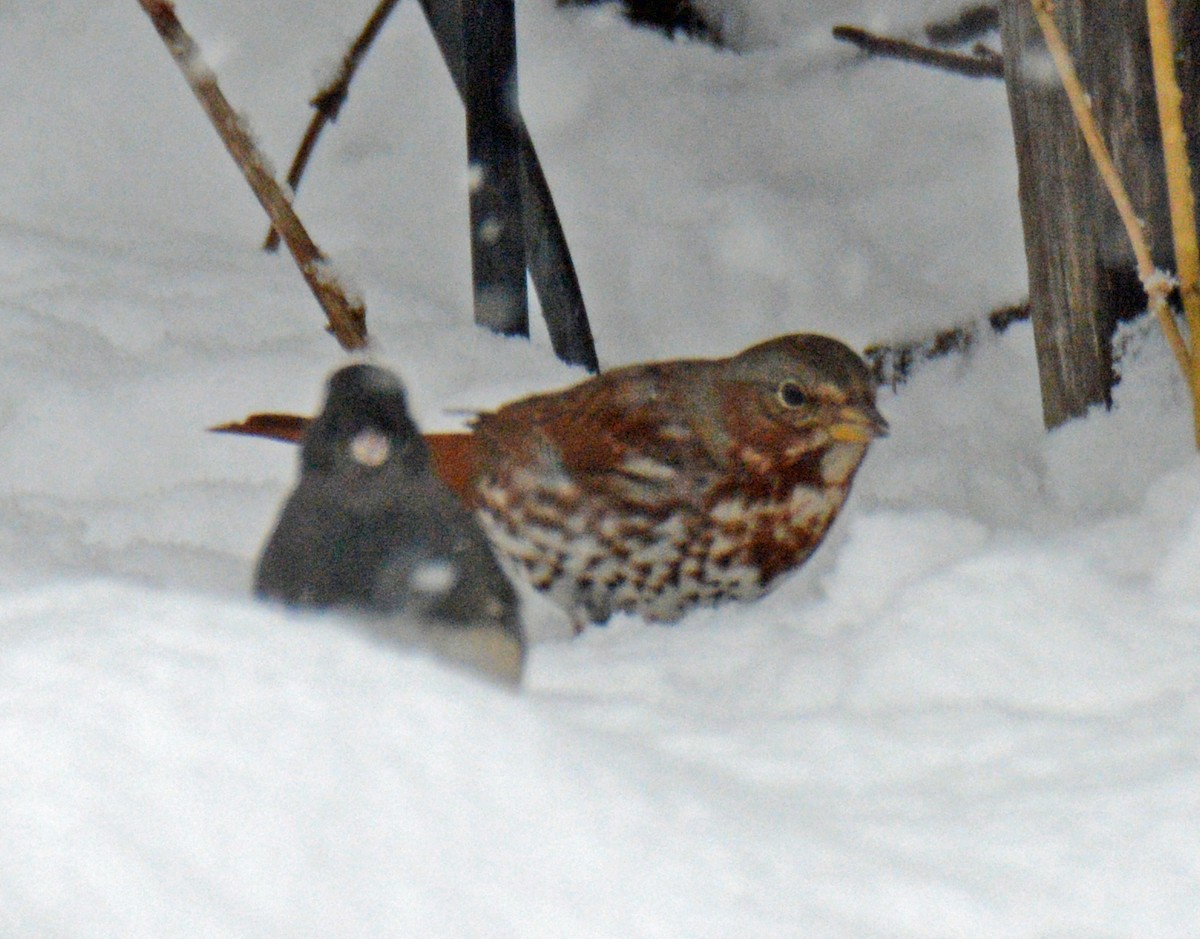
{"x":858,"y":425}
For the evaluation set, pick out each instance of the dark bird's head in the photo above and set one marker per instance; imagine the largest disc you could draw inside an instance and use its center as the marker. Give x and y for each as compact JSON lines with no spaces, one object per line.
{"x":364,"y":425}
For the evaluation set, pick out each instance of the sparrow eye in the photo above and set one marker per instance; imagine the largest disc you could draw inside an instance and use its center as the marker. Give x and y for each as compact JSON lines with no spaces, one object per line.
{"x":792,"y":395}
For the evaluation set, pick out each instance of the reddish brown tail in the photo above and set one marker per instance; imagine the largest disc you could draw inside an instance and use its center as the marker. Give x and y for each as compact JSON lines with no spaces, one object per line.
{"x":286,"y":427}
{"x":453,"y":453}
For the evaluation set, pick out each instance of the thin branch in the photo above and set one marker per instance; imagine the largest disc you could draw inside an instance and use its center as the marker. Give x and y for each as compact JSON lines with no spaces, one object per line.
{"x":1157,"y":286}
{"x":1179,"y":184}
{"x":329,"y":100}
{"x":347,"y":318}
{"x":980,"y":65}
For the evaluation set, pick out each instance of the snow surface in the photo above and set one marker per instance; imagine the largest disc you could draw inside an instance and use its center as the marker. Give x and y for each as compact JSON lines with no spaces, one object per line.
{"x":975,"y":713}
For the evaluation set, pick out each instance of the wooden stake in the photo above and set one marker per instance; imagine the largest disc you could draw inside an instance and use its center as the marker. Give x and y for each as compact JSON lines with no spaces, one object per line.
{"x":1157,"y":286}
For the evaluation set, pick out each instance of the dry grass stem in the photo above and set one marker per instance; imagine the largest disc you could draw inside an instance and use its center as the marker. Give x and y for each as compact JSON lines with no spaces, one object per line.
{"x":1179,"y":184}
{"x":347,"y":318}
{"x":1157,"y":287}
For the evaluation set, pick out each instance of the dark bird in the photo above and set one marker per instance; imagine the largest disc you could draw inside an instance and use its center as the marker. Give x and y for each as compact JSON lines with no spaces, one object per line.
{"x":657,"y":488}
{"x":372,"y":531}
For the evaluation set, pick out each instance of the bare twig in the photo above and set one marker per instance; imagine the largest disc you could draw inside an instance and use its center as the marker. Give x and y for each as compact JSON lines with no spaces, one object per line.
{"x":980,"y":65}
{"x":347,"y":319}
{"x":329,"y":100}
{"x":1179,"y":185}
{"x":1156,"y":285}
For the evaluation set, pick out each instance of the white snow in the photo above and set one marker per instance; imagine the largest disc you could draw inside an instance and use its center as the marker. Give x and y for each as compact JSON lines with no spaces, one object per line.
{"x":976,"y":712}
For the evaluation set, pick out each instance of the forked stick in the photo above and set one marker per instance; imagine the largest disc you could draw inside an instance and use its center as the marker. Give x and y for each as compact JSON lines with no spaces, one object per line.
{"x":347,"y":318}
{"x":327,"y":103}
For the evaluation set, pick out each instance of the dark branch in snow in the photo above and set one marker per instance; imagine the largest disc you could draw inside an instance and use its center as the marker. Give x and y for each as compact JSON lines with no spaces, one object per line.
{"x":347,"y":317}
{"x":670,"y":16}
{"x":893,"y":364}
{"x":983,"y":63}
{"x":970,"y":23}
{"x":329,"y":100}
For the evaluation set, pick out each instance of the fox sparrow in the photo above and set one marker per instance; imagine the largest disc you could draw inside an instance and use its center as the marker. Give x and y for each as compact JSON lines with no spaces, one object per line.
{"x":370,"y":529}
{"x":657,"y":488}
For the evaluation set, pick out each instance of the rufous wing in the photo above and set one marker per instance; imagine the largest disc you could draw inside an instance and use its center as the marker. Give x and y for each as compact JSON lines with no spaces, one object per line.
{"x":455,"y":461}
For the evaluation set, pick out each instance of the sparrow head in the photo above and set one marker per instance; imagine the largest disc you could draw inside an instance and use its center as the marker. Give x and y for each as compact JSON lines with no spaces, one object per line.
{"x":814,"y":385}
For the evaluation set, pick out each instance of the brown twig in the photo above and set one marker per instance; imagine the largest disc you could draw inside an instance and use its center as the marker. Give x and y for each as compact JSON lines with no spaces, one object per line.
{"x":329,"y":100}
{"x":347,"y":318}
{"x":979,"y":65}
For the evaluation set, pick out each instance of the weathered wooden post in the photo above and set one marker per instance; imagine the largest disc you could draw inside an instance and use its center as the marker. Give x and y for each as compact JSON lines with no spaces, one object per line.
{"x":1082,"y":274}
